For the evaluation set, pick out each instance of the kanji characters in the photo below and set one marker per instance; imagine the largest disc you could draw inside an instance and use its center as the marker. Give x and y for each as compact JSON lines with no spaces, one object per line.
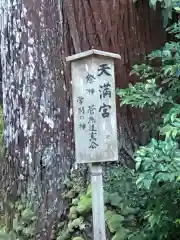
{"x":81,"y":110}
{"x":105,"y":90}
{"x":80,"y":100}
{"x":104,"y":110}
{"x":82,"y":126}
{"x":90,"y":78}
{"x":103,"y":69}
{"x":91,"y":120}
{"x":91,"y":109}
{"x":91,"y":91}
{"x":93,"y":145}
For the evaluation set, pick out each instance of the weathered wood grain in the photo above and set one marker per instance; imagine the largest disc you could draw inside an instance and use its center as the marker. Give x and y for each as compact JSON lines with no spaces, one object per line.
{"x":97,"y":110}
{"x":92,"y":52}
{"x":98,"y":203}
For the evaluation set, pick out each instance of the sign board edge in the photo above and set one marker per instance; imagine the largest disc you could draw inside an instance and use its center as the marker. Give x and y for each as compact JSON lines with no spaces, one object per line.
{"x":92,"y":52}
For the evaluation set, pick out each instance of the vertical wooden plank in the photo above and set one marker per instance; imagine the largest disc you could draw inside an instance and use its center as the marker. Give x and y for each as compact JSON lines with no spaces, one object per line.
{"x":98,"y":202}
{"x":94,"y":108}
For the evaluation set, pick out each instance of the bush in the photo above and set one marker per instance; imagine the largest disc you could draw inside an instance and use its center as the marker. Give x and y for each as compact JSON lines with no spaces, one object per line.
{"x":24,"y":223}
{"x":122,"y":209}
{"x":158,"y":163}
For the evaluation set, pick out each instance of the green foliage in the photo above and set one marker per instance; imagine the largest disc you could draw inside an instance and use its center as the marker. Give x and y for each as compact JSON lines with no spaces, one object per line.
{"x":121,"y":190}
{"x":121,"y":234}
{"x":124,"y":202}
{"x":142,"y":95}
{"x":4,"y":235}
{"x":24,"y":223}
{"x":122,"y":209}
{"x":158,"y":163}
{"x":85,"y":204}
{"x":113,"y":220}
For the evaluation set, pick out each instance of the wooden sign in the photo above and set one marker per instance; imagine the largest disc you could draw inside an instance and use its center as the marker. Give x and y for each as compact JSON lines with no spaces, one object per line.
{"x":94,"y":106}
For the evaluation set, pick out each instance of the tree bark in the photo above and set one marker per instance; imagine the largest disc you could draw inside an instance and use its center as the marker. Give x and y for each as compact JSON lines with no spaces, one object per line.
{"x":36,"y":36}
{"x":37,"y":138}
{"x":119,"y":26}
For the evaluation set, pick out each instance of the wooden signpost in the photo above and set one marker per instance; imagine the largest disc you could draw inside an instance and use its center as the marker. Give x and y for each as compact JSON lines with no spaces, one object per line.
{"x":95,"y":126}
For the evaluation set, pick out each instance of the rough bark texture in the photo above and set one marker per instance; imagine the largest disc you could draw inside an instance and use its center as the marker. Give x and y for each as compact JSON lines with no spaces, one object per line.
{"x":119,"y":26}
{"x":36,"y":36}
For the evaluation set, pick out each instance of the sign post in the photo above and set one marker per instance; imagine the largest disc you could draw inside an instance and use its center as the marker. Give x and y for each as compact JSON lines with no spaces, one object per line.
{"x":95,"y":125}
{"x":99,"y":231}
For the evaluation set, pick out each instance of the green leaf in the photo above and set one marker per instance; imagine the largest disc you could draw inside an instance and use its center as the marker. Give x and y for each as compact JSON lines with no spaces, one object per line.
{"x":115,"y":199}
{"x":113,"y":220}
{"x":85,"y":205}
{"x":121,"y":234}
{"x":27,"y":214}
{"x":147,"y":183}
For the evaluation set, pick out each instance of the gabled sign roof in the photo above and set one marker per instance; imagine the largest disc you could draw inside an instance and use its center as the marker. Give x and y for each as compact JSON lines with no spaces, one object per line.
{"x":92,"y":52}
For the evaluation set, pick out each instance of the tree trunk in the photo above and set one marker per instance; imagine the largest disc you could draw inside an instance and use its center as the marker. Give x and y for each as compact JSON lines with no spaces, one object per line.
{"x":119,"y":26}
{"x":37,"y":136}
{"x":36,"y":36}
